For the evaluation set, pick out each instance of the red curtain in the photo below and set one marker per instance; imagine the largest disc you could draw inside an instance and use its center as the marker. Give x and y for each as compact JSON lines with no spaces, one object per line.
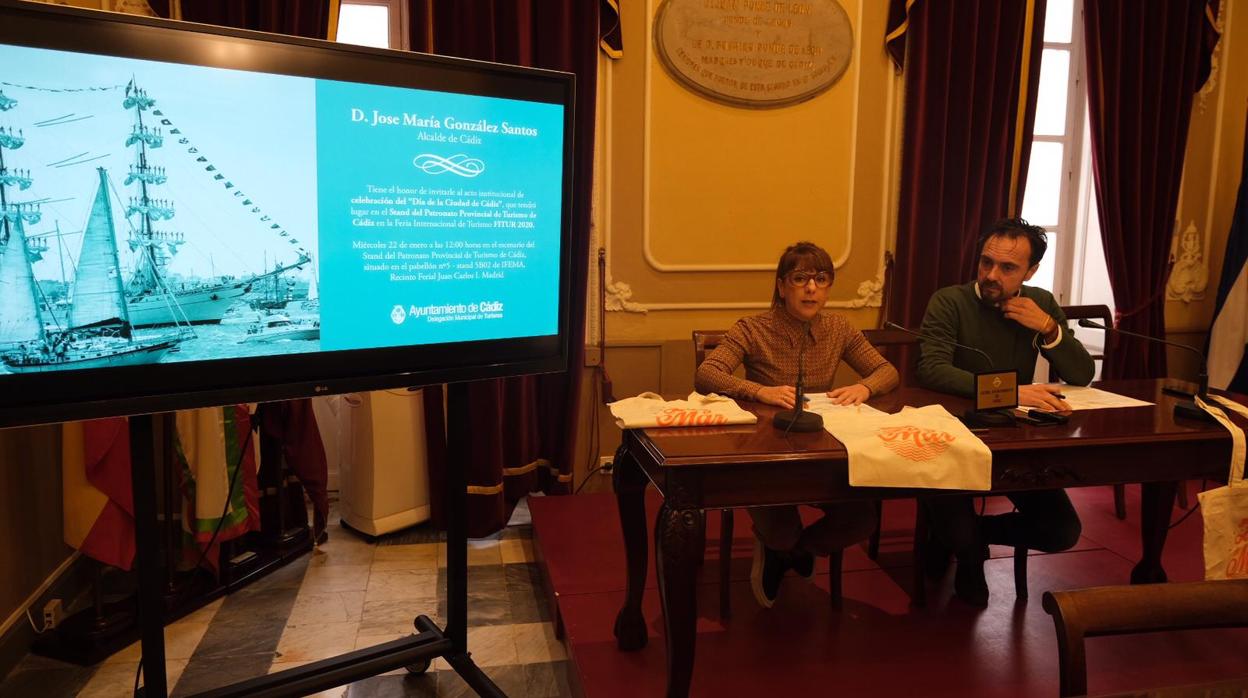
{"x":517,"y":435}
{"x":1145,"y":63}
{"x":305,"y":18}
{"x":963,"y":63}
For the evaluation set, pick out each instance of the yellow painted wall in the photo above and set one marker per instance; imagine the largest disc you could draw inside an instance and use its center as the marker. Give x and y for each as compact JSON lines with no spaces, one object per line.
{"x":698,"y":199}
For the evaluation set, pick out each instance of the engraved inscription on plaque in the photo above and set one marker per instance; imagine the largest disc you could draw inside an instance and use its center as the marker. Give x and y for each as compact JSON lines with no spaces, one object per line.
{"x":754,"y":53}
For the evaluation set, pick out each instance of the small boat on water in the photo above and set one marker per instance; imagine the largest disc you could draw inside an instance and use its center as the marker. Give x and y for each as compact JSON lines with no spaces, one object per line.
{"x":280,"y":328}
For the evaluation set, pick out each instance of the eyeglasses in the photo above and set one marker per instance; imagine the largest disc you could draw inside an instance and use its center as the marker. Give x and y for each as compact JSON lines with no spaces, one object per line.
{"x":799,"y":279}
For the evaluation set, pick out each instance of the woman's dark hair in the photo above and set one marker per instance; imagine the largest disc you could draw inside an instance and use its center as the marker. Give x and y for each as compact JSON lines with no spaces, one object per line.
{"x":801,"y":255}
{"x":1014,"y":228}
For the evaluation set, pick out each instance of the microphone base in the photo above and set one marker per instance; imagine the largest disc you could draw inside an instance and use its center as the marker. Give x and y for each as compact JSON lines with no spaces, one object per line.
{"x":1188,"y":409}
{"x":793,"y":420}
{"x":988,"y":418}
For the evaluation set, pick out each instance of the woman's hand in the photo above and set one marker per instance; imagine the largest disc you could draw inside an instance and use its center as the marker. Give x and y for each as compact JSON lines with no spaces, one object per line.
{"x":778,"y":395}
{"x":854,"y":394}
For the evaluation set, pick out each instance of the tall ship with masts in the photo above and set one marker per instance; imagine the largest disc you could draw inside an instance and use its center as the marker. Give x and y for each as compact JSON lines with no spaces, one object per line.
{"x":152,"y":298}
{"x":98,"y":330}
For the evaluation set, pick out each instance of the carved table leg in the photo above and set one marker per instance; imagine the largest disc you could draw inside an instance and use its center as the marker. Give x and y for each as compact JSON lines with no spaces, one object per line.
{"x":630,"y":495}
{"x":676,"y":540}
{"x":1156,"y":503}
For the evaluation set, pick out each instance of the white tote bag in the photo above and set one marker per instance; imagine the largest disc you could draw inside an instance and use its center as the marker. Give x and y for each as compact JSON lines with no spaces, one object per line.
{"x":649,"y":410}
{"x":1225,"y":509}
{"x":924,"y":447}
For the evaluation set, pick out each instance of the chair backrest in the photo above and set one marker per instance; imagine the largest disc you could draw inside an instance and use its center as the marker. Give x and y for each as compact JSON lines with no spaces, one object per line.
{"x":1142,"y":608}
{"x":1092,"y":312}
{"x":900,"y":348}
{"x":704,"y":342}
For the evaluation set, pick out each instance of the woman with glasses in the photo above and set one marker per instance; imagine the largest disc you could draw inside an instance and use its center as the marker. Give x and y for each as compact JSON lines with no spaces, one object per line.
{"x":768,"y":345}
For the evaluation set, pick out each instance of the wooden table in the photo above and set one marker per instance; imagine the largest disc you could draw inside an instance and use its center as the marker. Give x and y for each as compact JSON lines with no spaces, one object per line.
{"x":702,"y":468}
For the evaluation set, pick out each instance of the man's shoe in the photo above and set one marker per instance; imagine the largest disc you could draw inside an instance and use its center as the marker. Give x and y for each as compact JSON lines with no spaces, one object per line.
{"x":802,"y":563}
{"x":765,"y":574}
{"x":969,"y":583}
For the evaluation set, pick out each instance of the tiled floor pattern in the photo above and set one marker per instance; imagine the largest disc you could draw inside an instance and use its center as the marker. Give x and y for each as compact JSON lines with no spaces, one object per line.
{"x":348,"y":594}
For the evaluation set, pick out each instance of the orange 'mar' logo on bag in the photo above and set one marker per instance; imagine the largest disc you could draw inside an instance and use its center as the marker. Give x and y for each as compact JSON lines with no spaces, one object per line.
{"x":675,"y":416}
{"x":1237,"y":565}
{"x":915,"y":443}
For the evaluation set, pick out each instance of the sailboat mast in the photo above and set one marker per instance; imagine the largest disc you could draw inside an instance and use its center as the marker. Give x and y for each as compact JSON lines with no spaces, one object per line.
{"x":145,"y":201}
{"x":4,"y":199}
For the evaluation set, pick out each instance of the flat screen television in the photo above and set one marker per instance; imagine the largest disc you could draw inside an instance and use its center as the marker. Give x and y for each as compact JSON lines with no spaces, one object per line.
{"x":196,"y":215}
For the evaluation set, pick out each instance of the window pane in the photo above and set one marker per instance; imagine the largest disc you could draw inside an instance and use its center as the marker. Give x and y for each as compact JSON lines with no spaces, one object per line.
{"x":367,"y":25}
{"x":1054,"y":84}
{"x":1057,"y":20}
{"x":1042,"y":198}
{"x":1046,"y":271}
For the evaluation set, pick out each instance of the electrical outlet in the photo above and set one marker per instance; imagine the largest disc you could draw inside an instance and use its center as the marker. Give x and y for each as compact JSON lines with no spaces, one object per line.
{"x":605,"y":464}
{"x":53,"y":613}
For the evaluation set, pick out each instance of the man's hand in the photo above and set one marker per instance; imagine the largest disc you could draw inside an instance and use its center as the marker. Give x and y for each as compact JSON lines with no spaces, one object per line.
{"x":854,"y":394}
{"x":1025,"y":312}
{"x":778,"y":395}
{"x":1043,"y":396}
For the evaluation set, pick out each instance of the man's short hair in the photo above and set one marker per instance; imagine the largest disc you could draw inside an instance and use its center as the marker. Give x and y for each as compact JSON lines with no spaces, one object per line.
{"x":1014,"y":228}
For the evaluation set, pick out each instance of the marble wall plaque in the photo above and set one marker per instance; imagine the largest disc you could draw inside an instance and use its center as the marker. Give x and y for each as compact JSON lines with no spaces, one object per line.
{"x":754,"y":53}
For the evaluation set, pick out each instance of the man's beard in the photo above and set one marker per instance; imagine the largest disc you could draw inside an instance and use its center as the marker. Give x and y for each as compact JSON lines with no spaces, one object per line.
{"x":991,"y":292}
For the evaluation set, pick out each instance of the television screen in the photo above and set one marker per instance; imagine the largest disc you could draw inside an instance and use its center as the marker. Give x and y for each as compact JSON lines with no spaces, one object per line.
{"x":197,"y":216}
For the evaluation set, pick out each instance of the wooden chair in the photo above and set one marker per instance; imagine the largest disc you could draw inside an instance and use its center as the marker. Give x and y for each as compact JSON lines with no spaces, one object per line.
{"x":705,"y":341}
{"x":1141,"y":608}
{"x":1074,"y":313}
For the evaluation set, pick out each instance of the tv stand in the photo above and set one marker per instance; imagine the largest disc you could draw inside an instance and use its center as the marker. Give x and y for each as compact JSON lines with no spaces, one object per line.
{"x":415,"y":653}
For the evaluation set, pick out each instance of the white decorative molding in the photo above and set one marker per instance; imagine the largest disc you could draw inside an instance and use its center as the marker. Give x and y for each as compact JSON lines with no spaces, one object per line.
{"x":870,"y":294}
{"x":618,"y":297}
{"x":1190,"y":275}
{"x":1215,"y":61}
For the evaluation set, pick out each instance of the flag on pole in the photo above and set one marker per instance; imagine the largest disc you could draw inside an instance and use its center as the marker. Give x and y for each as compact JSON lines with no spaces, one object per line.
{"x":218,"y":465}
{"x":98,"y":501}
{"x":1228,"y":337}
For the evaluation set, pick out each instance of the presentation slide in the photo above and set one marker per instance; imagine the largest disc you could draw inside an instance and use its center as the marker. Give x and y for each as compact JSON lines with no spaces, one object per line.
{"x":157,"y":212}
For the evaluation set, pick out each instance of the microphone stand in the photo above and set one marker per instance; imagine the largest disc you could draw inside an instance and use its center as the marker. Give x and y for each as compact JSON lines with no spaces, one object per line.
{"x":1183,"y":408}
{"x":972,"y":417}
{"x":798,"y":419}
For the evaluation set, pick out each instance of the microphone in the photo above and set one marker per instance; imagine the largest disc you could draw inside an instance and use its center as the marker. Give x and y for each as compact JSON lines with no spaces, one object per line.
{"x":1202,"y":378}
{"x":921,"y":335}
{"x":1184,"y":408}
{"x":973,"y":416}
{"x":796,"y":419}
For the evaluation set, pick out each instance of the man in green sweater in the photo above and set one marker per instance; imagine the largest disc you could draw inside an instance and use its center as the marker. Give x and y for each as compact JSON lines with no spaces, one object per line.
{"x":1012,"y":323}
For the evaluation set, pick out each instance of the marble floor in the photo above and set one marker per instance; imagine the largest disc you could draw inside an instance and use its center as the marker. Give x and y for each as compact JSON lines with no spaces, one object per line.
{"x":347,"y":594}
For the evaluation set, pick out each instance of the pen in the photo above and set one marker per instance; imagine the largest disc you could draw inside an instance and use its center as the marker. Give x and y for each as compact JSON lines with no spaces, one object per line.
{"x":1059,"y":396}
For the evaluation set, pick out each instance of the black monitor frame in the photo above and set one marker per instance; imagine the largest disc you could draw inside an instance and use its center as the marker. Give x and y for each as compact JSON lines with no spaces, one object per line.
{"x":58,"y":396}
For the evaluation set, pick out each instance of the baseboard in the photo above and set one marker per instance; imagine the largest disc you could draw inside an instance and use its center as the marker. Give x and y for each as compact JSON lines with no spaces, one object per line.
{"x":68,"y":582}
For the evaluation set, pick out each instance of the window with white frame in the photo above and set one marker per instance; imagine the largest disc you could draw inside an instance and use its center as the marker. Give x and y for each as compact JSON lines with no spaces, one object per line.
{"x":377,"y":23}
{"x":1059,"y":195}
